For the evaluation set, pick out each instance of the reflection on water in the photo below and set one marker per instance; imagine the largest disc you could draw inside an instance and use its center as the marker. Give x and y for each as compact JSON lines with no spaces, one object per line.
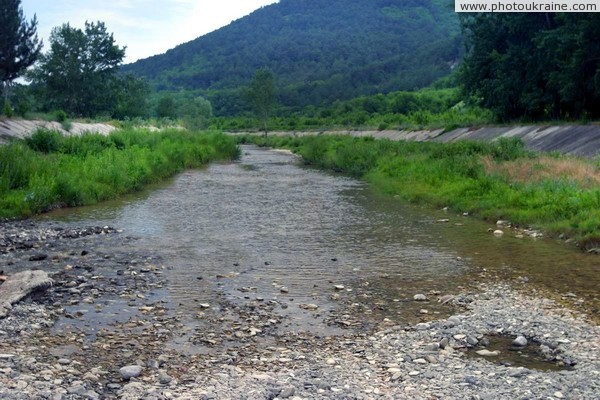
{"x":268,"y":222}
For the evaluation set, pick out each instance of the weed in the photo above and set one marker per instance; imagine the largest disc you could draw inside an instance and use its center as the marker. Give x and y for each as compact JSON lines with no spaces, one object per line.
{"x":48,"y":170}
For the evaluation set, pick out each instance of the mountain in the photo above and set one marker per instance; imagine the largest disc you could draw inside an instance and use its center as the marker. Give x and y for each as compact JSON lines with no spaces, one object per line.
{"x":319,"y":50}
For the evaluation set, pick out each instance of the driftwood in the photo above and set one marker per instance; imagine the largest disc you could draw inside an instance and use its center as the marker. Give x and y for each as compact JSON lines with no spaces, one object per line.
{"x":20,"y":285}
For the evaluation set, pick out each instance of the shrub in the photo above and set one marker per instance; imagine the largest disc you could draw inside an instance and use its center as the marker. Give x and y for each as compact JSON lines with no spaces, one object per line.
{"x":44,"y":140}
{"x":60,"y":116}
{"x":7,"y":109}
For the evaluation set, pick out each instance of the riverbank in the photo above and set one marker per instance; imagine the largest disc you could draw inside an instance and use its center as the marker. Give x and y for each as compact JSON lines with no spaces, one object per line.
{"x":575,"y":140}
{"x":495,"y":181}
{"x":11,"y":129}
{"x":50,"y":348}
{"x":48,"y":170}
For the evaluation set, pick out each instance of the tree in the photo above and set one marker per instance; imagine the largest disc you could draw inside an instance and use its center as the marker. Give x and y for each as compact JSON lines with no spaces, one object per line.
{"x":131,"y":97}
{"x":80,"y":69}
{"x":19,"y":44}
{"x":261,"y":95}
{"x":196,"y":113}
{"x":534,"y":65}
{"x":166,"y":107}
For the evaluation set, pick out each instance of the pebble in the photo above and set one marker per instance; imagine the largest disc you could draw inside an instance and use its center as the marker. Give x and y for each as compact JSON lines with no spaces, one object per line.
{"x":487,"y":353}
{"x":420,"y":297}
{"x":498,"y":232}
{"x":130,"y":371}
{"x":287,"y":392}
{"x":520,"y":341}
{"x":164,"y":378}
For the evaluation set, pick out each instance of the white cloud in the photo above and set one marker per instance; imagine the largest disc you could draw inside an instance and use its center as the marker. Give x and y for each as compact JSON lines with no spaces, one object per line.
{"x":146,"y":27}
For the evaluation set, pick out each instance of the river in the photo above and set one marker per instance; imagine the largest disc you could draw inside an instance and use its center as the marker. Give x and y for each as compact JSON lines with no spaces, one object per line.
{"x":270,"y":229}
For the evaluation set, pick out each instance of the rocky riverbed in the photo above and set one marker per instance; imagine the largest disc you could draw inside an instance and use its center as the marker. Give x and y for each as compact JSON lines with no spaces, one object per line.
{"x":106,"y":329}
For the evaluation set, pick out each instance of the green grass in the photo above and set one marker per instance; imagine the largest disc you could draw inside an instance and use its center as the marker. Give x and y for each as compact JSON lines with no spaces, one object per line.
{"x":465,"y":176}
{"x":47,"y":170}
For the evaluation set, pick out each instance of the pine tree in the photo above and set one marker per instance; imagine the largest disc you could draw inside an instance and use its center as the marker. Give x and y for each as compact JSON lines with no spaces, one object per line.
{"x":19,"y":43}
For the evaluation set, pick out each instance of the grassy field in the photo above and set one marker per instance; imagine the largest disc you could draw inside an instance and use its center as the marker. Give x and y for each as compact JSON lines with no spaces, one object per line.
{"x":498,"y":180}
{"x":47,"y":170}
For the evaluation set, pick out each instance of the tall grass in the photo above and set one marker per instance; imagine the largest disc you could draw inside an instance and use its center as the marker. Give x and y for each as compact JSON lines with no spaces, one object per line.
{"x":48,"y":170}
{"x":474,"y":177}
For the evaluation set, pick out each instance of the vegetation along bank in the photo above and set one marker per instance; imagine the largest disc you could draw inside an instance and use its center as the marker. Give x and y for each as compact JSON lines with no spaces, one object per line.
{"x":493,"y":180}
{"x":48,"y":170}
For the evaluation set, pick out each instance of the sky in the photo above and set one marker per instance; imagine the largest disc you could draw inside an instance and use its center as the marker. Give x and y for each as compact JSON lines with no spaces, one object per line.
{"x":146,"y":27}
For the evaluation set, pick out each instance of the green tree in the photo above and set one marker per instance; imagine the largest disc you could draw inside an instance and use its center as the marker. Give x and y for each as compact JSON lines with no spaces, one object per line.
{"x":131,"y":97}
{"x":261,"y":95}
{"x":19,"y":44}
{"x":534,"y":66}
{"x":196,"y":113}
{"x":166,"y":107}
{"x":80,"y":69}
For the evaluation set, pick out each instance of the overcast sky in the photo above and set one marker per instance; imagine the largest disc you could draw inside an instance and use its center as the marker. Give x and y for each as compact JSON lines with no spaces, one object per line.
{"x":146,"y":27}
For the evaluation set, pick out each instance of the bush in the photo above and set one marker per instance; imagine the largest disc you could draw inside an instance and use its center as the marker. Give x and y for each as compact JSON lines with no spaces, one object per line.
{"x":44,"y":141}
{"x":7,"y":109}
{"x":60,"y":116}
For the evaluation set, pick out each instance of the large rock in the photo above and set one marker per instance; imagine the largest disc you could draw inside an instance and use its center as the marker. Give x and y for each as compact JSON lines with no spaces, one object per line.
{"x":19,"y":286}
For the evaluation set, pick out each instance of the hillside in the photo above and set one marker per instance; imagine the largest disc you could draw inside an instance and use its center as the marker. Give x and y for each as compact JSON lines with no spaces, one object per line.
{"x":319,"y":50}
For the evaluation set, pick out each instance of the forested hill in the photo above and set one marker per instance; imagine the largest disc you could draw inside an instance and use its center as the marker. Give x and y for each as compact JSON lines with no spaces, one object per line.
{"x":319,"y":51}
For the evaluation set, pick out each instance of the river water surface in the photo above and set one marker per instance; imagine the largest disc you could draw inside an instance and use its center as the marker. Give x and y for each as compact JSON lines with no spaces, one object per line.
{"x":246,"y":229}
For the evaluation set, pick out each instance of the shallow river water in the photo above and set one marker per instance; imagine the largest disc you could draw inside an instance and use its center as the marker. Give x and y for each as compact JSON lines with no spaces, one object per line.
{"x":246,"y":229}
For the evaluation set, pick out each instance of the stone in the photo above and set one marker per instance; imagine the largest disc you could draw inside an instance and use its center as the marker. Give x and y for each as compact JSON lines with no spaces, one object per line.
{"x":520,"y":341}
{"x":287,"y":392}
{"x":419,"y":297}
{"x":164,"y":378}
{"x":487,"y":353}
{"x":339,"y":287}
{"x":284,"y":289}
{"x":443,"y":343}
{"x":472,"y":340}
{"x":130,"y":371}
{"x":498,"y":232}
{"x":77,"y":390}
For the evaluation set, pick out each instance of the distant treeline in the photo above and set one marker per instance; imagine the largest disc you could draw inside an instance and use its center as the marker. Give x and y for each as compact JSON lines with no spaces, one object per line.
{"x":319,"y":50}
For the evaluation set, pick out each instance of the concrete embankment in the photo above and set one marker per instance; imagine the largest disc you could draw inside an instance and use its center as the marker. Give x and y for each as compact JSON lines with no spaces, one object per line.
{"x":17,"y":128}
{"x":578,"y":140}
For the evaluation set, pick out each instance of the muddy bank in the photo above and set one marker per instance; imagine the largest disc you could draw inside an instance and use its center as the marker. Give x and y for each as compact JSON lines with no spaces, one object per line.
{"x":107,"y":329}
{"x":577,"y":140}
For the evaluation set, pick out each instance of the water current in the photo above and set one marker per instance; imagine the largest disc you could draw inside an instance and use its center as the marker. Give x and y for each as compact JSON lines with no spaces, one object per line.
{"x":246,"y":229}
